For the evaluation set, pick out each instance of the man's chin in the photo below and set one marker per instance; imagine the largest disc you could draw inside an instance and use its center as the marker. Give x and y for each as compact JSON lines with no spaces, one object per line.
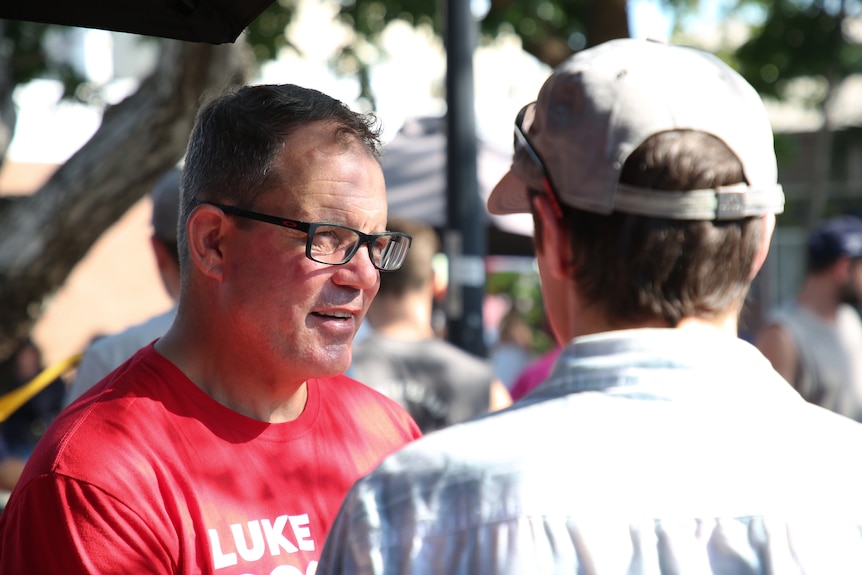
{"x":334,"y":361}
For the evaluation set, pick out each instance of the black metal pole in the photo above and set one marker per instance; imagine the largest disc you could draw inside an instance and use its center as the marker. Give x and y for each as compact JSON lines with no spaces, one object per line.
{"x":464,"y":239}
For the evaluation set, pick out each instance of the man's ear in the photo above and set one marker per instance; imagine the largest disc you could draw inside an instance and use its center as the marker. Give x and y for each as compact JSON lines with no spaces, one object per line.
{"x":206,"y":228}
{"x":553,"y":243}
{"x":763,"y":248}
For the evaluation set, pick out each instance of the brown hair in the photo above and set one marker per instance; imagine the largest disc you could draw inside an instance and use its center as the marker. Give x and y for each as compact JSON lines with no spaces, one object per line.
{"x":638,"y":268}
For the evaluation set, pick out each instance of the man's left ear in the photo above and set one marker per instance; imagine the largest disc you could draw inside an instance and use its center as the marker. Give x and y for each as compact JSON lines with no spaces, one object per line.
{"x":205,"y":229}
{"x":763,"y":248}
{"x":554,"y":243}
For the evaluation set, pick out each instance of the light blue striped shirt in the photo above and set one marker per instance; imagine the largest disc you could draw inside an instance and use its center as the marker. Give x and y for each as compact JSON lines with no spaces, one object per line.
{"x":647,"y":451}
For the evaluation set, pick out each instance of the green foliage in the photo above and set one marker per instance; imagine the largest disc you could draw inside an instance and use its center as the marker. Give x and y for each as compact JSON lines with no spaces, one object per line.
{"x":535,"y":21}
{"x":369,"y":17}
{"x":539,"y":23}
{"x":266,"y":34}
{"x":550,"y":30}
{"x":524,"y":292}
{"x":798,"y":39}
{"x":23,"y":42}
{"x":23,"y":47}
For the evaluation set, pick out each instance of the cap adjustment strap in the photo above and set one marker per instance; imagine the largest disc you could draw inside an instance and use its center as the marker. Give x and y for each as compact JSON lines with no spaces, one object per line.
{"x":722,"y":203}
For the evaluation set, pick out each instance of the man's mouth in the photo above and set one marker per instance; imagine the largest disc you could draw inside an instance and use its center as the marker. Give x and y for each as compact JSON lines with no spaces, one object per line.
{"x":334,"y":314}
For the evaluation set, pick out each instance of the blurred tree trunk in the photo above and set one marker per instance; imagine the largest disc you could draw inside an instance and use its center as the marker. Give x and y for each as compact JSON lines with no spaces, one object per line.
{"x":8,"y":115}
{"x":46,"y":234}
{"x":606,"y":20}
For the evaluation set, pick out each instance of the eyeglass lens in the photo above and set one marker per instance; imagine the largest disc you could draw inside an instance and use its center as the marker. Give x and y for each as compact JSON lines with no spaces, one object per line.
{"x":330,"y":244}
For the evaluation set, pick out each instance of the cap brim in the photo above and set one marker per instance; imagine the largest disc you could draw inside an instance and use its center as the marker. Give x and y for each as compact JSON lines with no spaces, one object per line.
{"x":509,"y":196}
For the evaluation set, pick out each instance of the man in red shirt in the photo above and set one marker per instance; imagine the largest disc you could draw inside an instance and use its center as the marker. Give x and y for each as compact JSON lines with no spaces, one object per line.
{"x":228,"y":444}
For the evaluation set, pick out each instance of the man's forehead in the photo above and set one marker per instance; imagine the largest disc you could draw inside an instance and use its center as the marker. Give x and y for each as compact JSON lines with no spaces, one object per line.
{"x":340,"y":183}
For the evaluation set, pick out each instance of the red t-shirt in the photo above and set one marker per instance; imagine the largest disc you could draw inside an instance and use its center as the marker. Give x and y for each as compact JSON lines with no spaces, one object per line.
{"x":148,"y":474}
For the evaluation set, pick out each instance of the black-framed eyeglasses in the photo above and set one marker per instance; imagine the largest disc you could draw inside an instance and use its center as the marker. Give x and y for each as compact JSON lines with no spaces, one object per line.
{"x":335,"y":244}
{"x":523,"y":121}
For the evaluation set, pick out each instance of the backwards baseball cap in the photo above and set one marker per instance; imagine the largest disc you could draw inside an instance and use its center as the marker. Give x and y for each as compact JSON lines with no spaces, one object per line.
{"x":835,"y":238}
{"x":166,"y":206}
{"x":604,"y":102}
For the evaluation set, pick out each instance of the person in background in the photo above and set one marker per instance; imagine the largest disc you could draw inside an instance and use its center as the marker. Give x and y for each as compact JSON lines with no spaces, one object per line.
{"x":105,"y":353}
{"x":512,"y":351}
{"x":227,"y":445}
{"x":11,"y":468}
{"x":25,"y":426}
{"x":534,"y":374}
{"x":437,"y":382}
{"x":23,"y":429}
{"x":815,"y":341}
{"x":662,"y":442}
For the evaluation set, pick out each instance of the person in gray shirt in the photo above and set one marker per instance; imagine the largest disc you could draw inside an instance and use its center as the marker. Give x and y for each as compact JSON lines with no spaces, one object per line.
{"x":401,"y":356}
{"x":815,"y":340}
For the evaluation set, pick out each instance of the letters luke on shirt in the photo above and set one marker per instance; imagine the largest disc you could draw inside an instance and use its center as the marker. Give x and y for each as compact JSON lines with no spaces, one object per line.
{"x":250,"y":542}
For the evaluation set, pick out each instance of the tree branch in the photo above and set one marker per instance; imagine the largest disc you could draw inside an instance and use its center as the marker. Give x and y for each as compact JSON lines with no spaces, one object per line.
{"x":45,"y":235}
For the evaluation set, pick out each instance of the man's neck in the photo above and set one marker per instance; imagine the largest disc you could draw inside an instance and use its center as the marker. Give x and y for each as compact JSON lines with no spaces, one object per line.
{"x":591,"y":323}
{"x":266,"y":394}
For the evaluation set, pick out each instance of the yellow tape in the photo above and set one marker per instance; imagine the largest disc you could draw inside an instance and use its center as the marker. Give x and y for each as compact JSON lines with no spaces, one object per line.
{"x":14,"y":399}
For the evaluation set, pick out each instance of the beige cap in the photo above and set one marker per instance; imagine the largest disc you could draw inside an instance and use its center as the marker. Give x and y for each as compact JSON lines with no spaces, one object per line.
{"x":602,"y":103}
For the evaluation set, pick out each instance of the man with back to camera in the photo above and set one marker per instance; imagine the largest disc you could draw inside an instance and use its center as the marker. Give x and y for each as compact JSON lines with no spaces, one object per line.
{"x":815,"y":341}
{"x":437,"y":382}
{"x":106,"y":353}
{"x":227,"y":445}
{"x":661,"y":442}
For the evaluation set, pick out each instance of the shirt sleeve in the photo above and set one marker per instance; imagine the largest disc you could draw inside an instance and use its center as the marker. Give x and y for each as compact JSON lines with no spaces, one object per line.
{"x":56,"y":525}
